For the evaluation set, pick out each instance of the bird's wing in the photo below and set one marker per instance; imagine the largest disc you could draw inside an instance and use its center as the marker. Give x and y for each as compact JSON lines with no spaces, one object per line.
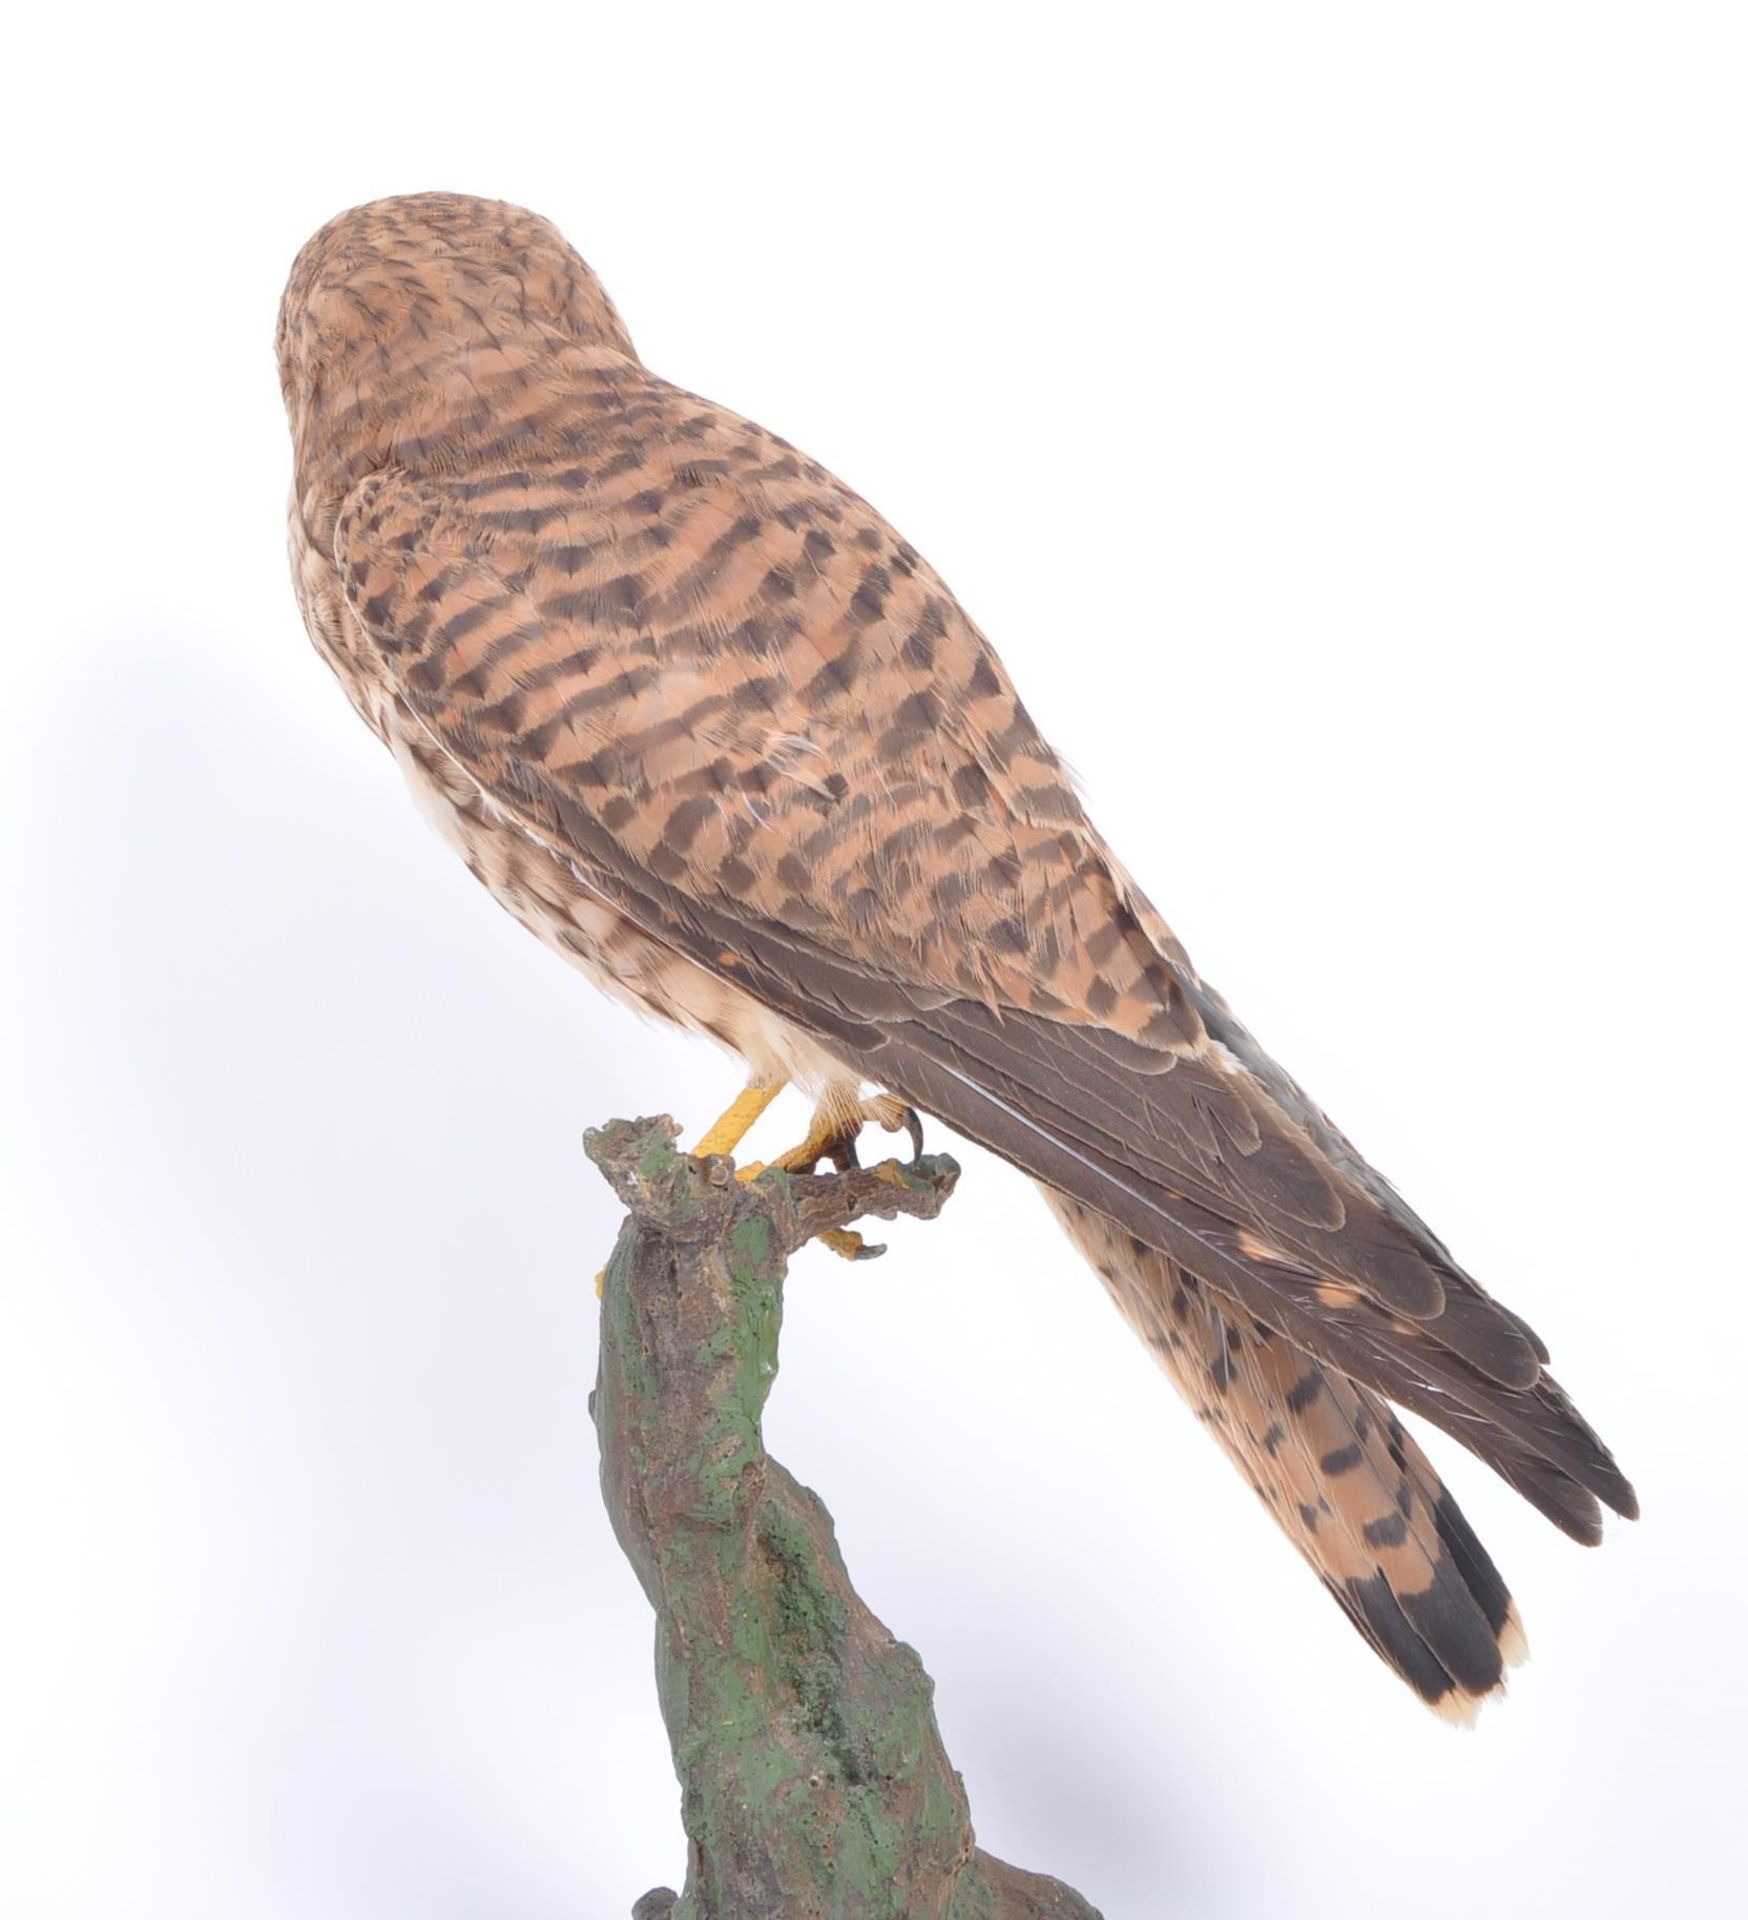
{"x":758,"y":724}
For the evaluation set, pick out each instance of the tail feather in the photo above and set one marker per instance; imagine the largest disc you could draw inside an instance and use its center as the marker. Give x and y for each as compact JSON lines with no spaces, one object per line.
{"x":1345,"y":1481}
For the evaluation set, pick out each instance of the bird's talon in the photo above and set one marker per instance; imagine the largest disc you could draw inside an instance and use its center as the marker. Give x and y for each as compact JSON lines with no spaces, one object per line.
{"x":834,"y":1139}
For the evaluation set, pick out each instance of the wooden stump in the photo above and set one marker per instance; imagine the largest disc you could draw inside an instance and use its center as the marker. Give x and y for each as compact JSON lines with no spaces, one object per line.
{"x":814,"y":1783}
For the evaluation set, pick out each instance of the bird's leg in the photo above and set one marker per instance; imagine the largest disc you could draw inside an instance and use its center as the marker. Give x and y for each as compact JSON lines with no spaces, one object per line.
{"x":833,"y":1135}
{"x":737,"y":1121}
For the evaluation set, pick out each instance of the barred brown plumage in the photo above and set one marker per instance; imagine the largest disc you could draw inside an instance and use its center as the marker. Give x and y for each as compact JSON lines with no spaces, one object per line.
{"x":703,"y":721}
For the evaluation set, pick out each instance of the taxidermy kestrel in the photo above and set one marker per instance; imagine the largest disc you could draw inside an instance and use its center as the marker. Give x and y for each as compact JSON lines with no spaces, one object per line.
{"x":708,"y":726}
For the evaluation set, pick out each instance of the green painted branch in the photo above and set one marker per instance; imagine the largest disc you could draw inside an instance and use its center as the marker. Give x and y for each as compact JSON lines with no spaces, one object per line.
{"x":814,"y":1783}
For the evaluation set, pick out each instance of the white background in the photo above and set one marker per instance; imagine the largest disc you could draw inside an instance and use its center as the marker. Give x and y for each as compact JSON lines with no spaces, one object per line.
{"x":1336,"y":416}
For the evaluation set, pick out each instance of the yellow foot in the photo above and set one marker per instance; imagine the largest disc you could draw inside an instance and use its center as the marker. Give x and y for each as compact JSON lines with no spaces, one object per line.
{"x":834,"y":1131}
{"x":832,"y":1137}
{"x":737,"y":1122}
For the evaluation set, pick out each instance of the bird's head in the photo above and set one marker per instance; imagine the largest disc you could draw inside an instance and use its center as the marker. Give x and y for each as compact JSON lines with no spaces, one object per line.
{"x":399,"y":287}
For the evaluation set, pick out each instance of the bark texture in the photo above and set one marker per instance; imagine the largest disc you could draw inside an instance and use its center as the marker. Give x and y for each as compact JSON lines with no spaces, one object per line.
{"x":814,"y":1783}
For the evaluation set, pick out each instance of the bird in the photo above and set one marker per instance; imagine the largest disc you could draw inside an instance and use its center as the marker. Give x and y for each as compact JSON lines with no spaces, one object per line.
{"x":708,"y":726}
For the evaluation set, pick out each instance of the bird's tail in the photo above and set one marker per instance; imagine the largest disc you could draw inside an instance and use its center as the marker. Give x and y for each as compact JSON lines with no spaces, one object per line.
{"x":1345,"y":1481}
